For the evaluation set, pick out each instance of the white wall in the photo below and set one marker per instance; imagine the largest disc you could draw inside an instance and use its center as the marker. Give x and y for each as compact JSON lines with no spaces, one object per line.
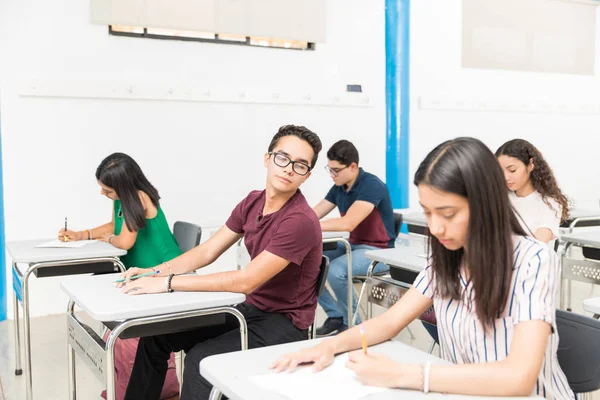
{"x":52,"y":145}
{"x":456,"y":100}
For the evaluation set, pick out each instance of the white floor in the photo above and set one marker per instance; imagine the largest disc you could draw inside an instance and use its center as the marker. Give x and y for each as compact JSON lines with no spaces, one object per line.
{"x":49,"y":355}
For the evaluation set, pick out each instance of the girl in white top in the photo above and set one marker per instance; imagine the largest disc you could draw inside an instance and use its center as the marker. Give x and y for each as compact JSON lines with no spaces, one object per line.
{"x":492,"y":287}
{"x":534,"y":193}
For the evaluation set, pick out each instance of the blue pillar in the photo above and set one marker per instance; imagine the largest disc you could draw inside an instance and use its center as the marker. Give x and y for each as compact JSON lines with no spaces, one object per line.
{"x":2,"y":248}
{"x":397,"y":59}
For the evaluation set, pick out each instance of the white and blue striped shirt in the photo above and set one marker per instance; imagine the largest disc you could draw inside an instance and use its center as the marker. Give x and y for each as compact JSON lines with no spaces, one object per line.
{"x":463,"y":339}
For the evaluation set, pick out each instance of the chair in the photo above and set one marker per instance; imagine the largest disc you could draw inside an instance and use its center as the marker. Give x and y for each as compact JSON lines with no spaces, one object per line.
{"x":187,"y":235}
{"x":363,"y":278}
{"x":579,"y":350}
{"x":321,"y":280}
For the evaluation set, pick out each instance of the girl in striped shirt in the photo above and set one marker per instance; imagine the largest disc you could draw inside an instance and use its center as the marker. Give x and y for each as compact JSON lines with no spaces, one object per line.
{"x":492,"y":287}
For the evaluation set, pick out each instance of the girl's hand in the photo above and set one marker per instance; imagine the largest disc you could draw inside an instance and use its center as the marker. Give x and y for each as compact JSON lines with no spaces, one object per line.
{"x":321,"y":355}
{"x":65,"y":236}
{"x":380,"y":370}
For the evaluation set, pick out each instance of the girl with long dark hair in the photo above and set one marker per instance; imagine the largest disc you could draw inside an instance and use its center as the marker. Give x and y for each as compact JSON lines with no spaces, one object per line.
{"x":139,"y":226}
{"x":492,"y":288}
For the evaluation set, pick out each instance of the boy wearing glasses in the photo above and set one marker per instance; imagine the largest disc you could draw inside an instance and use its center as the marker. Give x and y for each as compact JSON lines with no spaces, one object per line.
{"x":283,"y":237}
{"x":366,"y":212}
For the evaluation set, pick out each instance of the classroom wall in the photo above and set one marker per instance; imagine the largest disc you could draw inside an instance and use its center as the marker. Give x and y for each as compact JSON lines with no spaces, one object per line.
{"x":559,"y":113}
{"x":70,"y":94}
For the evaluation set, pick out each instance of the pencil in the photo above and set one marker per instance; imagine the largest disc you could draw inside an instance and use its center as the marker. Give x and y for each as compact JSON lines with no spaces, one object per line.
{"x":139,"y":276}
{"x":66,"y":237}
{"x":363,"y":339}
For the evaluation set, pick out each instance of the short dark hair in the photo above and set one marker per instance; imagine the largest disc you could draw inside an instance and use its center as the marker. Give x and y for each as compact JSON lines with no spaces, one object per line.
{"x":121,"y":173}
{"x":300,"y":132}
{"x":343,"y":152}
{"x":467,"y":167}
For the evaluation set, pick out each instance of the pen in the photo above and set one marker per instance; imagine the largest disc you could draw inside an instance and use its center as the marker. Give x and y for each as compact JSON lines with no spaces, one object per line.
{"x":66,"y":237}
{"x":363,"y":339}
{"x":139,"y":276}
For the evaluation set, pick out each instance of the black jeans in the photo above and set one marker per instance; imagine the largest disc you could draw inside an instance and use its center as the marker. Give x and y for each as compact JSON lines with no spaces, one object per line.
{"x":150,"y":365}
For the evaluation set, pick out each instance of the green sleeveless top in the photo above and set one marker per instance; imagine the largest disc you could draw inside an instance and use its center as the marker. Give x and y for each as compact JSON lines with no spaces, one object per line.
{"x":154,"y":244}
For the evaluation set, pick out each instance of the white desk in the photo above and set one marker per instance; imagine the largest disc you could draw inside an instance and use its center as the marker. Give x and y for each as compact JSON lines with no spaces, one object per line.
{"x":229,"y":373}
{"x":579,"y":217}
{"x":43,"y":262}
{"x":98,"y":297}
{"x":410,"y":258}
{"x":416,"y":222}
{"x":575,"y":269}
{"x":407,"y":261}
{"x":592,"y":305}
{"x":342,"y":237}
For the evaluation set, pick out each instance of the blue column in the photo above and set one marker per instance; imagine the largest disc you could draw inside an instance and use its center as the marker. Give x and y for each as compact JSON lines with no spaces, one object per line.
{"x":397,"y":59}
{"x":2,"y":247}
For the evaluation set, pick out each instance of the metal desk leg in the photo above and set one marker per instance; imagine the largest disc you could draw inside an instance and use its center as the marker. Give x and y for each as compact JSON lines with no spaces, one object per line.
{"x":562,"y":252}
{"x":112,"y":338}
{"x":362,"y":290}
{"x":350,"y":284}
{"x":27,"y":332}
{"x":215,"y":394}
{"x":71,"y":360}
{"x":18,"y":370}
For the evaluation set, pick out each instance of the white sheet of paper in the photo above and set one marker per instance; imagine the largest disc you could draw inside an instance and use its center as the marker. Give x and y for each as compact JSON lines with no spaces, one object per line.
{"x":66,"y":245}
{"x":334,"y":382}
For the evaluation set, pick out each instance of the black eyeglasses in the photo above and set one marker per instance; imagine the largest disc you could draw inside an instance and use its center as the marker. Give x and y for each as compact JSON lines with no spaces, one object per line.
{"x":334,"y":171}
{"x":282,"y":160}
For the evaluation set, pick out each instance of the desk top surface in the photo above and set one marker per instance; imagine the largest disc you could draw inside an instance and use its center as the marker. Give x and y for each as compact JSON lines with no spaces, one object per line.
{"x":414,"y":218}
{"x":592,"y":305}
{"x":412,"y":258}
{"x":24,"y":251}
{"x":230,"y":372}
{"x":590,"y":238}
{"x":98,"y":296}
{"x":336,"y":235}
{"x":583,"y":213}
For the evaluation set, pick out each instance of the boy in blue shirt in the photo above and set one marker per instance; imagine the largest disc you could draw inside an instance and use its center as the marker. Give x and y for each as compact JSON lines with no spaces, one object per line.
{"x":366,"y":212}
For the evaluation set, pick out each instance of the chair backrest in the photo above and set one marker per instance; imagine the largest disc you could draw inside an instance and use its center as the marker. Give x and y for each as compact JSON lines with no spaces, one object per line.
{"x":322,"y":275}
{"x":397,"y":222}
{"x":187,"y":235}
{"x":579,"y":350}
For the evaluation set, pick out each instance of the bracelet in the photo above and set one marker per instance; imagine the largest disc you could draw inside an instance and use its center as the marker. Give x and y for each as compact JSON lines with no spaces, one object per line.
{"x":169,"y":266}
{"x":110,"y":238}
{"x":426,"y":377}
{"x":169,"y":288}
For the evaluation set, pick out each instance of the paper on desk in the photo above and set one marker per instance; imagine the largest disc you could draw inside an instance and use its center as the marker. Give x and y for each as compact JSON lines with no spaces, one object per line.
{"x":66,"y":245}
{"x":334,"y":382}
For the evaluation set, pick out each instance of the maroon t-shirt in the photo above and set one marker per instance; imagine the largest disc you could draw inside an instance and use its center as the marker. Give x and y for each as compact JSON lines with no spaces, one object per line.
{"x":292,"y":233}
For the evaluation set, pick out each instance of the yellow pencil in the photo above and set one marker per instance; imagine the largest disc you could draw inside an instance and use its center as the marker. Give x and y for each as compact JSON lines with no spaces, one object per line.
{"x":363,"y":339}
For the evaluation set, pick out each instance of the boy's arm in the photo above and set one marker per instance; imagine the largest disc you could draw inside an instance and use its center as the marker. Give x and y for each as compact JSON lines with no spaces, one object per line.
{"x":264,"y":267}
{"x":323,"y":208}
{"x":204,"y":254}
{"x":355,"y":215}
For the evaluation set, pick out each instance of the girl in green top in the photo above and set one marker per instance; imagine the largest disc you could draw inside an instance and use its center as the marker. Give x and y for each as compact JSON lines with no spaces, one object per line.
{"x":138,"y":223}
{"x":139,"y":226}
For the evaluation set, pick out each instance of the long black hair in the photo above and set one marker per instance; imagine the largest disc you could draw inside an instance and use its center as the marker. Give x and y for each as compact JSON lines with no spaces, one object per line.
{"x":467,"y":167}
{"x":121,"y":173}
